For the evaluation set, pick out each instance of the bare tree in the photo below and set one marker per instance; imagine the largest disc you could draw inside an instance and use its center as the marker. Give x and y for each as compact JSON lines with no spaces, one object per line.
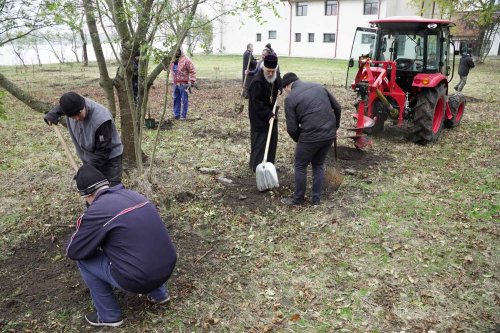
{"x":56,"y":42}
{"x":138,"y":25}
{"x":18,"y":49}
{"x":482,"y":16}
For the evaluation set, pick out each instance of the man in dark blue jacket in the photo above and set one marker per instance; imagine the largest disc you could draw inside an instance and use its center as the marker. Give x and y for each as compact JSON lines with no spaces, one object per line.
{"x":312,"y":119}
{"x":466,"y":63}
{"x":120,"y":241}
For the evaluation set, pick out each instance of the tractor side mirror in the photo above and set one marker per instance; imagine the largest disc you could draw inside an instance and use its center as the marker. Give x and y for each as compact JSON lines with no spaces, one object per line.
{"x":351,"y":62}
{"x":457,"y":52}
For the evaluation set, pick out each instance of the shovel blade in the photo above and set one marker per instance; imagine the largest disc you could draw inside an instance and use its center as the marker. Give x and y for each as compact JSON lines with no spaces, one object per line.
{"x":266,"y":176}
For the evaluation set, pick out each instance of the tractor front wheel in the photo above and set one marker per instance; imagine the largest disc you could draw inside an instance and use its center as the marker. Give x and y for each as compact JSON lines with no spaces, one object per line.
{"x":457,"y":107}
{"x":429,"y":115}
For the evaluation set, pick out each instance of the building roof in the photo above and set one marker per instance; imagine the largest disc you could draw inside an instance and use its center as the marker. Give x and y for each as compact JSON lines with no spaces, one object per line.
{"x":411,"y":19}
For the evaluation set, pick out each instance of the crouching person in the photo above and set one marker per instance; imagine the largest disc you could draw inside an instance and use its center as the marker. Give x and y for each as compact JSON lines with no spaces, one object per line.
{"x":120,"y":241}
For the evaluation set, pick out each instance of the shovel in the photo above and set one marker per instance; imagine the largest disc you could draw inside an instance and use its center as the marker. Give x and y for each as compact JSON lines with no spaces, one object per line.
{"x":239,"y":107}
{"x":265,"y":173}
{"x":66,"y":149}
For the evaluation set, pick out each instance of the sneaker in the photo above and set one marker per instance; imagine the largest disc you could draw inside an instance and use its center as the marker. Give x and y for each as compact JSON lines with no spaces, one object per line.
{"x":94,"y":320}
{"x":177,"y":117}
{"x":183,"y":118}
{"x":316,"y":202}
{"x":290,"y":202}
{"x":158,"y":301}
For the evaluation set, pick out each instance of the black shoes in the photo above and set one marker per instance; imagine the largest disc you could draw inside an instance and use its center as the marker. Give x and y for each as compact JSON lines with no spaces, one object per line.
{"x":158,"y":301}
{"x":290,"y":202}
{"x":94,"y":320}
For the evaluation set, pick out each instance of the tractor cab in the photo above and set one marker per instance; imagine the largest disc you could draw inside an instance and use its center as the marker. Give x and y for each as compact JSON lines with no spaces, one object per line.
{"x":403,"y":64}
{"x":416,"y":44}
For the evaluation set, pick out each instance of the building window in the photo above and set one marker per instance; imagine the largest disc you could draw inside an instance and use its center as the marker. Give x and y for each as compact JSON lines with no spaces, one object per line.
{"x":298,"y":37}
{"x":301,"y":9}
{"x":370,"y":7}
{"x":331,"y":7}
{"x":310,"y":38}
{"x":259,"y":37}
{"x":272,"y":34}
{"x":328,"y":38}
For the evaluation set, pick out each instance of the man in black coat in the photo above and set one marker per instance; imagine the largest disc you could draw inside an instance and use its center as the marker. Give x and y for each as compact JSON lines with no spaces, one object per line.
{"x":466,"y":63}
{"x":247,"y":56}
{"x":312,"y":119}
{"x":263,"y":92}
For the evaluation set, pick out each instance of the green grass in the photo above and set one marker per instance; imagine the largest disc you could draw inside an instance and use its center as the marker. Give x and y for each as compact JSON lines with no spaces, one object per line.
{"x":410,"y":245}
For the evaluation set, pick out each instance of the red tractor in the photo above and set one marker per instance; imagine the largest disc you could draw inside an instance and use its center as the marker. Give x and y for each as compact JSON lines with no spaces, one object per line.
{"x":403,"y":69}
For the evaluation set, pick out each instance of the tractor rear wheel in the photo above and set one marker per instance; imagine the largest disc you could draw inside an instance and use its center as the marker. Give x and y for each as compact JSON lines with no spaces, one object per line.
{"x":379,"y":116}
{"x":457,"y":107}
{"x":429,"y":115}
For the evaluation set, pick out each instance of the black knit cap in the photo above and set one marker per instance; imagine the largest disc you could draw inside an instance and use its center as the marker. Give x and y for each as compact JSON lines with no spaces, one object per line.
{"x":289,"y":78}
{"x":89,"y":179}
{"x":71,"y":103}
{"x":270,"y":61}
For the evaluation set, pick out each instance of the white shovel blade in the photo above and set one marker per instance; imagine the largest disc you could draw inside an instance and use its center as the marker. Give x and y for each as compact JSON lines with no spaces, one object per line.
{"x":266,"y":176}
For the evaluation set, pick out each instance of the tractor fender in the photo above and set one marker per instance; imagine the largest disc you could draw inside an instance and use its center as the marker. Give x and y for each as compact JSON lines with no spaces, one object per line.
{"x":423,"y":80}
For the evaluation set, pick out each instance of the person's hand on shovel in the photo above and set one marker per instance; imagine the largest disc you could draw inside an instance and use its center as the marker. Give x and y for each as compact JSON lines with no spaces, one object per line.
{"x":51,"y":118}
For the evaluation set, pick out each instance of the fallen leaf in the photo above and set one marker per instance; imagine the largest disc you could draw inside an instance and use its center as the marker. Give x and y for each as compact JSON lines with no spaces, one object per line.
{"x":295,"y":317}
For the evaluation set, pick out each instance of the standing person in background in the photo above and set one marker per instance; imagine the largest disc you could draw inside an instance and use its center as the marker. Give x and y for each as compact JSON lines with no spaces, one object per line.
{"x":248,"y":57}
{"x":271,"y":51}
{"x":184,"y":76}
{"x":93,"y":132}
{"x":260,"y":63}
{"x":263,"y":93}
{"x":466,"y":63}
{"x":312,"y":119}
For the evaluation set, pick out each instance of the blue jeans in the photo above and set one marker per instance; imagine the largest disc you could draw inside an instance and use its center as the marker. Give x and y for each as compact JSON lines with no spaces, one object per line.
{"x":96,"y":273}
{"x":180,"y":96}
{"x":314,"y":153}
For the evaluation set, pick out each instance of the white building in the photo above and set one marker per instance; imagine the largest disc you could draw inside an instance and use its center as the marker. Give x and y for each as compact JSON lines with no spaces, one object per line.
{"x":314,"y":28}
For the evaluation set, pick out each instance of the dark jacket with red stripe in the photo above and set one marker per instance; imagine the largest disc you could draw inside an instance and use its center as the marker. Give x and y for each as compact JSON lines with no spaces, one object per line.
{"x":130,"y":232}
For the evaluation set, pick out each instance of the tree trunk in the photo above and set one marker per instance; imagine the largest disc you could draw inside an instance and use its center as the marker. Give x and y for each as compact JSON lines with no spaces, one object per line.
{"x":23,"y":96}
{"x":37,"y":51}
{"x":127,"y":125}
{"x":84,"y":48}
{"x":105,"y":82}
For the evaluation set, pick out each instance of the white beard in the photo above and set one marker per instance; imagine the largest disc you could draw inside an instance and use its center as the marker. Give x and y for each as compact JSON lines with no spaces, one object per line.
{"x":272,"y":78}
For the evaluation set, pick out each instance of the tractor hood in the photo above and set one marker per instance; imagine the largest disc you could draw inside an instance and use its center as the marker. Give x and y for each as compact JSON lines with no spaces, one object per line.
{"x":409,"y":23}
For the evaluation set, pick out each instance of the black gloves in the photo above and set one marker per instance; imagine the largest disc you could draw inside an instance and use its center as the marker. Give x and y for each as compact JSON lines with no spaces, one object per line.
{"x":51,"y":118}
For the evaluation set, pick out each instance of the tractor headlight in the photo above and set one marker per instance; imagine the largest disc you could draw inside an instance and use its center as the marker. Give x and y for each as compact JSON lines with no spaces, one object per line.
{"x":432,"y":25}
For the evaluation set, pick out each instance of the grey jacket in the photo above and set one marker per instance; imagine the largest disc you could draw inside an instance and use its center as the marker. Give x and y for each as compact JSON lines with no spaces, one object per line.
{"x":83,"y":132}
{"x":312,"y":113}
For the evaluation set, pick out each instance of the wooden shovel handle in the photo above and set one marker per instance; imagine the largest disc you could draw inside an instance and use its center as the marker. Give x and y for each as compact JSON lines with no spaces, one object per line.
{"x":246,"y":75}
{"x":269,"y":133}
{"x":65,"y":146}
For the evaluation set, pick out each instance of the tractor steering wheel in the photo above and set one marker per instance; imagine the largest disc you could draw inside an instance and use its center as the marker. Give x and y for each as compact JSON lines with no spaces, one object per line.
{"x":404,"y":64}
